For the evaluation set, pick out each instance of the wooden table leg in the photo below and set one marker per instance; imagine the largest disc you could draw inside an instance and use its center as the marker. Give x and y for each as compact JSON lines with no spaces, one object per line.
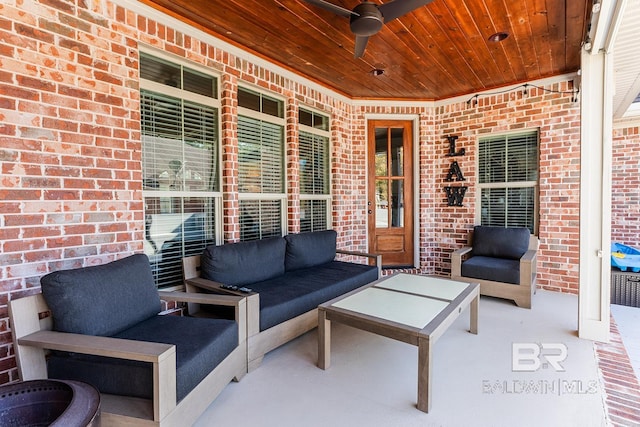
{"x":324,"y":340}
{"x":475,"y":306}
{"x":424,"y":374}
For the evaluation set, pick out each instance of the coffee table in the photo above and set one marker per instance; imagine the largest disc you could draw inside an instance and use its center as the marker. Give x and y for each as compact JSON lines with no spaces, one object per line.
{"x":409,"y":308}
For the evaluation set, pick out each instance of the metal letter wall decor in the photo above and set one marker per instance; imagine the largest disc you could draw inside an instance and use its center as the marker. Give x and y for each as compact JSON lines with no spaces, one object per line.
{"x":454,"y":194}
{"x":452,"y":147}
{"x":454,"y":169}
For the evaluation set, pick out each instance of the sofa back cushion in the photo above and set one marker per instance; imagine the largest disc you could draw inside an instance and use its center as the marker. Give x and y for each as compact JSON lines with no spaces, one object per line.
{"x":500,"y":242}
{"x":310,"y":249}
{"x":103,"y":299}
{"x":245,"y":262}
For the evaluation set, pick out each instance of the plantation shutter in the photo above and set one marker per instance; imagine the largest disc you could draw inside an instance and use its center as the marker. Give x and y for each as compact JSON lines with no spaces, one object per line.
{"x":260,"y":168}
{"x":313,"y":215}
{"x":260,"y":219}
{"x":508,"y":174}
{"x":314,"y":162}
{"x":179,"y":140}
{"x":177,"y":227}
{"x":260,"y":156}
{"x":179,"y":151}
{"x":313,"y":154}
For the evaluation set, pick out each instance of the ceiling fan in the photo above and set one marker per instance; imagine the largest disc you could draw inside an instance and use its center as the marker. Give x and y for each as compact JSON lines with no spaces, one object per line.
{"x":367,"y":18}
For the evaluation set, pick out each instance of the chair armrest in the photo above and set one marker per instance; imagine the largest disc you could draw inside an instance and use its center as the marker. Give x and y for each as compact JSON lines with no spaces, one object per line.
{"x":247,"y":305}
{"x":162,"y":356}
{"x":204,"y":283}
{"x":529,"y":256}
{"x":212,"y":285}
{"x":376,"y":257}
{"x":462,"y":251}
{"x":211,"y":299}
{"x":99,"y":346}
{"x":357,"y":253}
{"x":528,"y":268}
{"x":456,"y":260}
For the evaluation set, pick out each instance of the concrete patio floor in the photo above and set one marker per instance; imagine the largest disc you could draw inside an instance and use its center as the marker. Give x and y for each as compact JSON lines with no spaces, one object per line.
{"x":372,"y":380}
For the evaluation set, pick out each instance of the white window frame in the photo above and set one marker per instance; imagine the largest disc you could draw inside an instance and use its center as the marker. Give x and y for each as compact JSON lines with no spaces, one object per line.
{"x":514,"y":184}
{"x":327,"y":134}
{"x":280,"y":121}
{"x":216,"y":195}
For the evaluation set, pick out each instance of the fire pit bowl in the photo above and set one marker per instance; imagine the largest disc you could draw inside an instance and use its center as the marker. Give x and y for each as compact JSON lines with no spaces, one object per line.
{"x":49,"y":402}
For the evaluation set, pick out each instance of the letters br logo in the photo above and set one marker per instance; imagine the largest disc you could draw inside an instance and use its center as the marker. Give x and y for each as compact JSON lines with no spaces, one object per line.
{"x":529,"y":357}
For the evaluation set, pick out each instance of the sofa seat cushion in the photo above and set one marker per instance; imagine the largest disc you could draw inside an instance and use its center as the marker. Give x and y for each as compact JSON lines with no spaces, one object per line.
{"x":299,"y":291}
{"x":310,"y":249}
{"x":244,"y":263}
{"x":494,"y":269}
{"x":103,"y":299}
{"x":201,"y":344}
{"x":500,"y":242}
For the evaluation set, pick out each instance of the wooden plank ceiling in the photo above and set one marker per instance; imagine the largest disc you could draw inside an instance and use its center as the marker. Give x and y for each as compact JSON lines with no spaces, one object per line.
{"x":437,"y":51}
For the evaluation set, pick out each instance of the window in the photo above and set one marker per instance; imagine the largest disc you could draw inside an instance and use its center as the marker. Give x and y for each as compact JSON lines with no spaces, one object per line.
{"x":508,"y":180}
{"x":261,"y":178}
{"x":313,"y":146}
{"x":179,"y":124}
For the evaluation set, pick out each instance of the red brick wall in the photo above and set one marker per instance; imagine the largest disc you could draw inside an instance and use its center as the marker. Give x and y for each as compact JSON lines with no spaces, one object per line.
{"x":70,"y":180}
{"x":625,"y":186}
{"x":558,"y":120}
{"x":444,"y":228}
{"x":70,"y":192}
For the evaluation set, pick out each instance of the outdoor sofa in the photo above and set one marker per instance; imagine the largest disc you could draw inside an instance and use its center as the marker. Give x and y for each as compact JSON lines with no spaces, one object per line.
{"x":284,"y":280}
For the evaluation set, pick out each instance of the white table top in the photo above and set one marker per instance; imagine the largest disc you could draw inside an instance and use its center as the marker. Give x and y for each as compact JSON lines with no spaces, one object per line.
{"x":404,"y":298}
{"x":424,"y":285}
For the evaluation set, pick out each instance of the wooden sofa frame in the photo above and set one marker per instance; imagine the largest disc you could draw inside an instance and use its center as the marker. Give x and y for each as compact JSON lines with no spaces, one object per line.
{"x":521,"y":294}
{"x":33,"y":337}
{"x":259,"y":343}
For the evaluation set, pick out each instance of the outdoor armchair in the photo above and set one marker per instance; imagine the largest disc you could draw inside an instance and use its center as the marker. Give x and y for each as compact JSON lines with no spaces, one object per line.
{"x":503,"y":260}
{"x":105,"y":329}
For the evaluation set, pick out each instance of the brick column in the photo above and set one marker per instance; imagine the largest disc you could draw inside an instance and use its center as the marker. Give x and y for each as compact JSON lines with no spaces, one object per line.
{"x":229,"y":134}
{"x":292,"y":172}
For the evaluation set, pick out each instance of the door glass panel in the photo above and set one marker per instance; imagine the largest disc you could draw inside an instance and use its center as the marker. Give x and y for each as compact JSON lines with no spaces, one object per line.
{"x":381,"y":152}
{"x":382,"y":203}
{"x":396,"y":152}
{"x":397,"y":203}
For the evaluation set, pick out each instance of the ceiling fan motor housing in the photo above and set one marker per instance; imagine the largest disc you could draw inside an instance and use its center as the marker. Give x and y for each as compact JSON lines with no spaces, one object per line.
{"x":369,"y":20}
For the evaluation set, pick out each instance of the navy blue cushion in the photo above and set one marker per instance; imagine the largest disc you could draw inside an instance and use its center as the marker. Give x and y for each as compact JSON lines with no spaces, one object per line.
{"x":245,"y":262}
{"x":500,"y":242}
{"x":310,"y":249}
{"x":489,"y":268}
{"x":103,"y":299}
{"x":201,"y":344}
{"x":299,"y":291}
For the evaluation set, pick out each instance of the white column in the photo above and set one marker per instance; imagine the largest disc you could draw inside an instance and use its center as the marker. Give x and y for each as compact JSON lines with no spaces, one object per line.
{"x":595,"y":195}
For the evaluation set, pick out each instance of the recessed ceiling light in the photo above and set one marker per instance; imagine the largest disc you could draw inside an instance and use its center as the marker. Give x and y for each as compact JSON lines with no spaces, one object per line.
{"x":377,"y":71}
{"x":498,"y":37}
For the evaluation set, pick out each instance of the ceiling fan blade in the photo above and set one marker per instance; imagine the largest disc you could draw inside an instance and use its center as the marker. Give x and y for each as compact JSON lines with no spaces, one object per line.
{"x":338,"y":10}
{"x":361,"y":44}
{"x":396,"y":8}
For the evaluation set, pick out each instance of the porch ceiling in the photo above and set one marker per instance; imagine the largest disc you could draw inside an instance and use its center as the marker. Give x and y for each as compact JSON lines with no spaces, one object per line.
{"x":438,"y":51}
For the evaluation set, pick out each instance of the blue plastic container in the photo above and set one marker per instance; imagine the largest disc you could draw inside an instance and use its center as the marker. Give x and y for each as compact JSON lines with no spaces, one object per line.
{"x":625,"y":257}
